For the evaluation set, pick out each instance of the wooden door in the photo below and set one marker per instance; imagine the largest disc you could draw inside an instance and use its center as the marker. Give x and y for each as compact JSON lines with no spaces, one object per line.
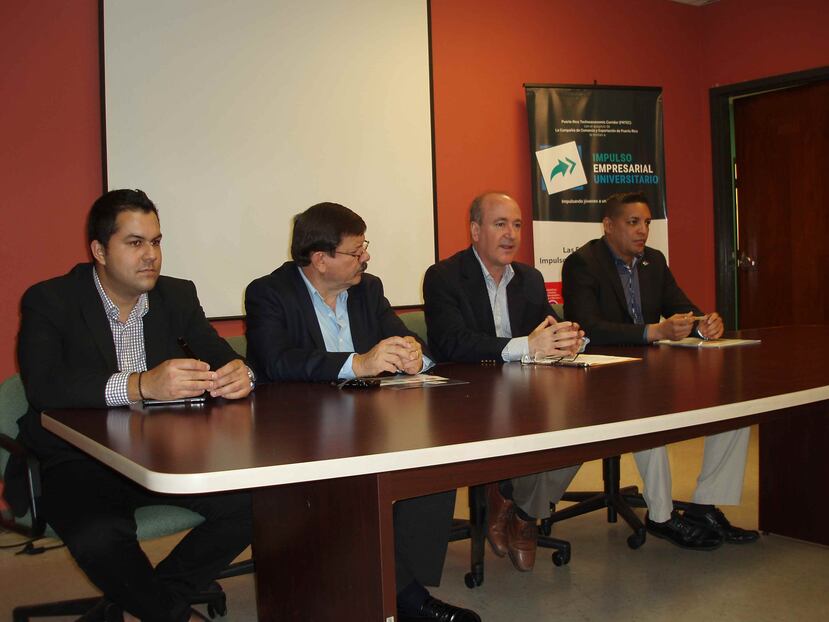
{"x":782,"y":163}
{"x":782,"y":160}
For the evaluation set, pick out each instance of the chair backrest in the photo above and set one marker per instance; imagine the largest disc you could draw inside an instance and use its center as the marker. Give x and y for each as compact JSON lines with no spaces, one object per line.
{"x":13,"y":405}
{"x":238,"y":343}
{"x":415,"y":321}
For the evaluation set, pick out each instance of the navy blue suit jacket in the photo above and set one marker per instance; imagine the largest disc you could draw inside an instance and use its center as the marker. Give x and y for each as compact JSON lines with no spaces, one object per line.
{"x":284,"y":338}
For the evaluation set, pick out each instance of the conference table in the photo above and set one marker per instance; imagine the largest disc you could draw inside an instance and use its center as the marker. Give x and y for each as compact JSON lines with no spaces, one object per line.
{"x":325,"y":465}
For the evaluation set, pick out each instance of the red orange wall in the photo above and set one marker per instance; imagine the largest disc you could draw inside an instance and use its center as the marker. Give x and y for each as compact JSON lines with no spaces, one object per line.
{"x":746,"y":39}
{"x":50,"y":146}
{"x":484,"y":51}
{"x":50,"y":164}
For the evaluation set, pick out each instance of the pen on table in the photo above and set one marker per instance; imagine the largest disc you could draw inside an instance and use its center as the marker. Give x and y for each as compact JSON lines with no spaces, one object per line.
{"x":182,"y":342}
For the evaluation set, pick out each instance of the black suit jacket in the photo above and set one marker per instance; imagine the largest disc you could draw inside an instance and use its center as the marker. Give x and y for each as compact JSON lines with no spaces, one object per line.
{"x":284,"y":337}
{"x":594,"y":298}
{"x":67,"y":354}
{"x":459,"y":317}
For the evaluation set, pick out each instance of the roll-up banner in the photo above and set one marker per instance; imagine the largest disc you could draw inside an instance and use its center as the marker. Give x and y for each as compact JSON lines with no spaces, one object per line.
{"x":587,"y":143}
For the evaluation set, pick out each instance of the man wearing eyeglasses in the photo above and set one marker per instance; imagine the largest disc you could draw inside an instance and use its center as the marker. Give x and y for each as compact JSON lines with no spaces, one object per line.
{"x":322,"y":317}
{"x":618,"y":288}
{"x":482,"y":305}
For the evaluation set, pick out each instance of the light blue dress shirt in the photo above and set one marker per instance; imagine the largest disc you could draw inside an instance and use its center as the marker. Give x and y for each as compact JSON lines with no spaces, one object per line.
{"x":336,"y":328}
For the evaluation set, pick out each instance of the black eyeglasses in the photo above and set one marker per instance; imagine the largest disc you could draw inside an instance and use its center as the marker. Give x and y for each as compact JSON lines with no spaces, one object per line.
{"x":356,"y":254}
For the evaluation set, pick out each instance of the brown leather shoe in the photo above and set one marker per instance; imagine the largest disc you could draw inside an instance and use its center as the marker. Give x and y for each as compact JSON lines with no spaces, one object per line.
{"x":499,"y":512}
{"x":522,"y":540}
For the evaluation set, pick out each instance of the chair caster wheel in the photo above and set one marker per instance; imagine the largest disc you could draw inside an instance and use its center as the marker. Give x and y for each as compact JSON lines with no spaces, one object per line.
{"x":216,"y":601}
{"x":471,"y":581}
{"x":637,"y":539}
{"x":560,"y":559}
{"x":219,"y":609}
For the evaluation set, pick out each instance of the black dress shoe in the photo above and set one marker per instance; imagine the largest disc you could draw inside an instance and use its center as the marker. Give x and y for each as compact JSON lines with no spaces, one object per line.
{"x":434,"y":609}
{"x":715,"y":520}
{"x":684,"y":533}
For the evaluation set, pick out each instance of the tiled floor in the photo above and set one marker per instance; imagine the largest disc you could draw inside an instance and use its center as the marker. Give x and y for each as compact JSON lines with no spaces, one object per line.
{"x":776,"y":579}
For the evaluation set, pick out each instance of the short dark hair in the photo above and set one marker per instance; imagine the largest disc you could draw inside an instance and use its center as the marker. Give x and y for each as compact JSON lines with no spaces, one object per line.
{"x":614,"y":203}
{"x":100,"y":224}
{"x":321,"y":228}
{"x":476,"y":208}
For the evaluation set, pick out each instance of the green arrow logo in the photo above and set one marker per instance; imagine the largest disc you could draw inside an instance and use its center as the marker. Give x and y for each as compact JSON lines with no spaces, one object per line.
{"x":562,"y":167}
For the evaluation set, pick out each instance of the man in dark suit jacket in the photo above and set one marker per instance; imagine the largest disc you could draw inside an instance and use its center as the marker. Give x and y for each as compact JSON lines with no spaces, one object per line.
{"x":105,"y":335}
{"x":620,"y":290}
{"x":482,"y":305}
{"x":321,"y":317}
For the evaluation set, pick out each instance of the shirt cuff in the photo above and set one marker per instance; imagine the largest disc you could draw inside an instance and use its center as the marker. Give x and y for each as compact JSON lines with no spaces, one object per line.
{"x":427,"y":364}
{"x":116,"y":393}
{"x":515,"y":349}
{"x":347,"y":370}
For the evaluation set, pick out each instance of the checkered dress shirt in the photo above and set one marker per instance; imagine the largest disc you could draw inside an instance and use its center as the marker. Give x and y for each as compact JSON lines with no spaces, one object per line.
{"x":129,"y":344}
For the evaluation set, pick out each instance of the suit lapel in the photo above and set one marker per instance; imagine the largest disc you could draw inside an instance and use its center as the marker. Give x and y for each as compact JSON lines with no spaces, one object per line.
{"x":306,"y":307}
{"x":648,"y":287}
{"x":92,"y":310}
{"x":157,"y":332}
{"x":515,"y":303}
{"x":608,"y":266}
{"x":474,"y":287}
{"x":358,"y":321}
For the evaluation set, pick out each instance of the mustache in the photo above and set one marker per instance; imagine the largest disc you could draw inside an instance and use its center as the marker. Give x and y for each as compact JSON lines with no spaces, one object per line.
{"x":363,"y":266}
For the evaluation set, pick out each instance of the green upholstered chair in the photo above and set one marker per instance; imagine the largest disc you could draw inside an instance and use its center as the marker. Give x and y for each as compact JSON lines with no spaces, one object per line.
{"x":153,"y":521}
{"x":415,"y":321}
{"x":238,"y":343}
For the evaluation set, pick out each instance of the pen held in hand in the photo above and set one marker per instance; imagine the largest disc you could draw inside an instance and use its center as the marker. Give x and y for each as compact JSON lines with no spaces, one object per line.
{"x":182,"y":342}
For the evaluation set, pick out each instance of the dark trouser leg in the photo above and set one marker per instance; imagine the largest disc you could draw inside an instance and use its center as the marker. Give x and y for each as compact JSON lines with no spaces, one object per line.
{"x":92,"y":509}
{"x":421,"y":535}
{"x":209,"y":548}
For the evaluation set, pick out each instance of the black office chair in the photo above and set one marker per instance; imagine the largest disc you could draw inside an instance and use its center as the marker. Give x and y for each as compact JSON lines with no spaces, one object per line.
{"x":153,"y":521}
{"x":618,"y":501}
{"x":474,"y":529}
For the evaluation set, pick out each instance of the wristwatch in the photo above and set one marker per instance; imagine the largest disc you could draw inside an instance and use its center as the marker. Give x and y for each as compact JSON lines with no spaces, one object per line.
{"x":251,"y":376}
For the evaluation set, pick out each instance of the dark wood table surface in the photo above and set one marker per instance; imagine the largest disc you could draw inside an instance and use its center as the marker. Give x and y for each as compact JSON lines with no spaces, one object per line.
{"x":326,"y":465}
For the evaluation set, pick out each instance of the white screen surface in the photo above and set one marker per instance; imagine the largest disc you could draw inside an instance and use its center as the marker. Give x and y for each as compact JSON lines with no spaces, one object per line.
{"x":235,"y":116}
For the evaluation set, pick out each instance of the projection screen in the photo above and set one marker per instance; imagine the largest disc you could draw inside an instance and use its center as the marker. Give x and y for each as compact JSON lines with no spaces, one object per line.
{"x":235,"y":116}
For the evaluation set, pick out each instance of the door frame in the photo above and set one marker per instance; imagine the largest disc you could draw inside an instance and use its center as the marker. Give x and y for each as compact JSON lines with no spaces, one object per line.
{"x":722,"y":143}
